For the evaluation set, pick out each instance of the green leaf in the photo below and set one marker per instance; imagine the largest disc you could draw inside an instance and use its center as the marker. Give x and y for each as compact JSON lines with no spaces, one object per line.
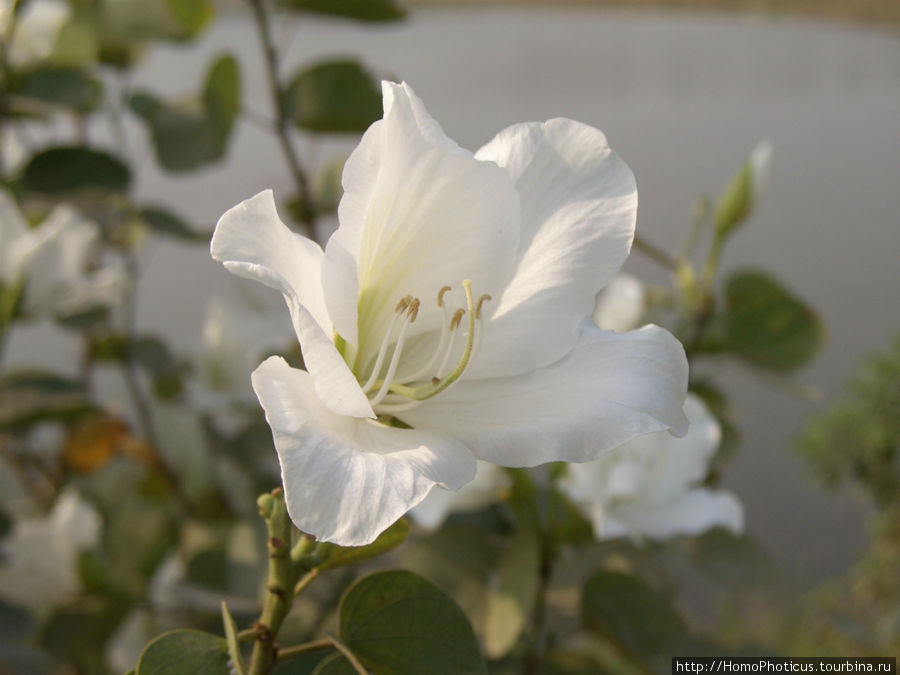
{"x":388,"y":540}
{"x":623,"y":608}
{"x":730,"y":560}
{"x":222,"y":94}
{"x":333,"y":96}
{"x":191,"y":15}
{"x":67,"y":169}
{"x":334,"y":664}
{"x":184,"y":651}
{"x":209,"y":568}
{"x":767,"y":326}
{"x":195,"y":131}
{"x":234,"y":648}
{"x":398,"y":622}
{"x":510,"y":601}
{"x":164,"y":222}
{"x":61,"y":86}
{"x":361,"y":10}
{"x":30,"y":396}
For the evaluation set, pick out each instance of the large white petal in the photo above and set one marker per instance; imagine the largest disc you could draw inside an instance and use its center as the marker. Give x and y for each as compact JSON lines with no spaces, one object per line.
{"x":418,"y":213}
{"x":610,"y":388}
{"x":346,"y":480}
{"x":252,"y":242}
{"x":578,"y":209}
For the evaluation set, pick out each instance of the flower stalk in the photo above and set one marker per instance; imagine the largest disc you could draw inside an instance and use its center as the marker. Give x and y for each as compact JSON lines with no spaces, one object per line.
{"x":280,"y":583}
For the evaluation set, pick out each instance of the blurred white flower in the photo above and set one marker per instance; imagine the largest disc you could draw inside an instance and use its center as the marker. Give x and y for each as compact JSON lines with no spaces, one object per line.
{"x":39,"y":558}
{"x":37,"y":29}
{"x":17,"y":242}
{"x":55,"y":262}
{"x":235,"y":340}
{"x":455,"y":297}
{"x":491,"y":485}
{"x":621,"y":305}
{"x":649,"y":487}
{"x":64,"y":277}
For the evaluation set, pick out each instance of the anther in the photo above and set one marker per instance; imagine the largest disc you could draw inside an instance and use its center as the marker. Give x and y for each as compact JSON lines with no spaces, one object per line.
{"x":441,"y":295}
{"x":403,"y":303}
{"x":413,"y":309}
{"x":435,"y":380}
{"x":457,"y":318}
{"x":481,"y":300}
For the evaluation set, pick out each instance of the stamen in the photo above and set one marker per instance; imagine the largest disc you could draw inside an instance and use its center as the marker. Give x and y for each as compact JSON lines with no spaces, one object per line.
{"x":395,"y":359}
{"x":457,"y":318}
{"x":481,"y":300}
{"x":449,"y":350}
{"x":422,"y":393}
{"x":445,"y":335}
{"x":402,"y":306}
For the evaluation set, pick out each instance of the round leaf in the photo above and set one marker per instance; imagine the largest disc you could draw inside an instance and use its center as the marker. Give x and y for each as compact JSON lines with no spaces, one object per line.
{"x":67,"y":169}
{"x":766,"y":325}
{"x":625,"y":609}
{"x":338,"y":96}
{"x":61,"y":86}
{"x":398,"y":622}
{"x":184,"y":651}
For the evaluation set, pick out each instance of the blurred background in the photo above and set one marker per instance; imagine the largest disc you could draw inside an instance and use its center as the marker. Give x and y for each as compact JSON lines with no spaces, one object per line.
{"x":683,"y":90}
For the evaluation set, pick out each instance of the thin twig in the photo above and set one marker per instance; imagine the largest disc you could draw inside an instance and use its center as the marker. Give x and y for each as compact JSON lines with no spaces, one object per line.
{"x":350,"y":656}
{"x":655,"y":253}
{"x":270,"y":55}
{"x":286,"y":653}
{"x":305,"y":581}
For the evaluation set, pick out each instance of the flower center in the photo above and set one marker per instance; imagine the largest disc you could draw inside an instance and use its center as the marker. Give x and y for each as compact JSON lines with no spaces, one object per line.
{"x":392,"y":393}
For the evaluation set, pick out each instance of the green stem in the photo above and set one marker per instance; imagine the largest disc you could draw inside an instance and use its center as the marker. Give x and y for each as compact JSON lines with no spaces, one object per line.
{"x":279,"y":586}
{"x":345,"y":650}
{"x":538,"y":618}
{"x":305,"y":648}
{"x":305,"y":581}
{"x":270,"y":55}
{"x":654,"y":253}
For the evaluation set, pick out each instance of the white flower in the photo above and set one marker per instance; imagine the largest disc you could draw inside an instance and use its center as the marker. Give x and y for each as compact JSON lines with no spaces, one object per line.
{"x":55,"y":262}
{"x":39,"y":565}
{"x":490,"y":485}
{"x":648,"y":487}
{"x":37,"y":28}
{"x":234,"y":341}
{"x":17,"y":243}
{"x":621,"y":305}
{"x":455,"y":297}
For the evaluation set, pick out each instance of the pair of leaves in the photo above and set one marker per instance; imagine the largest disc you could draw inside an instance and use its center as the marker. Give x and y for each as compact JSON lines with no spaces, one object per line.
{"x":392,"y":622}
{"x":194,"y":132}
